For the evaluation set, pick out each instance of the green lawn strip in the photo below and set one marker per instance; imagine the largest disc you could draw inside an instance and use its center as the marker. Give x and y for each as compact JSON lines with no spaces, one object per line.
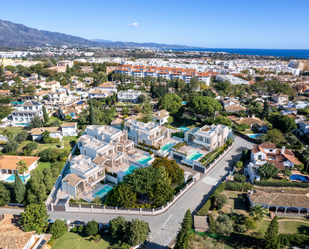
{"x":292,"y":226}
{"x":211,"y":235}
{"x":75,"y":241}
{"x":179,"y":122}
{"x":14,"y":130}
{"x":43,"y":165}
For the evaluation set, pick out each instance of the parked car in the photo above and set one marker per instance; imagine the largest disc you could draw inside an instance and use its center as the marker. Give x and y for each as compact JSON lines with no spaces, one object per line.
{"x":68,"y":222}
{"x":79,"y":223}
{"x":50,"y":221}
{"x":103,"y":226}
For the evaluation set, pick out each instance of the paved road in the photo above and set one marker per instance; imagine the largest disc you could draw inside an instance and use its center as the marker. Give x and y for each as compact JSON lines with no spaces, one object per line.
{"x":164,"y":227}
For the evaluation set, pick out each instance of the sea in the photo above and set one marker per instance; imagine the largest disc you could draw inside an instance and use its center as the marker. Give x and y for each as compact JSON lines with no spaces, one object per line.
{"x":296,"y":53}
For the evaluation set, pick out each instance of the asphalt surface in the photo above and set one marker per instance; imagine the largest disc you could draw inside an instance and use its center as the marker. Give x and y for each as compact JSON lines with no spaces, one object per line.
{"x":164,"y":227}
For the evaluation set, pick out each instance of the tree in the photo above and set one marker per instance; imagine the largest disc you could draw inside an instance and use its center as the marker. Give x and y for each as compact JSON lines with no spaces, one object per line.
{"x":29,"y":148}
{"x":58,"y":228}
{"x":258,"y":212}
{"x":19,"y":189}
{"x":10,"y":147}
{"x":284,"y":123}
{"x":92,"y":119}
{"x":224,"y":224}
{"x":250,"y":223}
{"x":194,"y":83}
{"x":205,"y":105}
{"x":21,"y":136}
{"x":170,"y":119}
{"x":175,"y":173}
{"x":239,"y":164}
{"x":240,"y":178}
{"x":172,"y":103}
{"x":45,"y":115}
{"x":267,"y":171}
{"x":5,"y":194}
{"x":138,"y":232}
{"x":36,"y":121}
{"x":287,"y":172}
{"x":244,"y":155}
{"x":118,"y":227}
{"x":46,"y":137}
{"x":68,"y":117}
{"x":219,"y":200}
{"x":141,"y":98}
{"x":183,"y":236}
{"x":34,"y":218}
{"x":5,"y":111}
{"x":265,"y":113}
{"x":92,"y":228}
{"x":271,"y":235}
{"x":275,"y":136}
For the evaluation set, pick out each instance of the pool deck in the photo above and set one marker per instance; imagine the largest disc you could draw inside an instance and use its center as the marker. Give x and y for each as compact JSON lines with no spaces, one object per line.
{"x":189,"y":150}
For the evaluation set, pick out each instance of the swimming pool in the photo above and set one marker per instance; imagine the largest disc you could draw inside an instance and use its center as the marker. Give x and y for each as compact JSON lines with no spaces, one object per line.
{"x":196,"y":155}
{"x":167,"y":147}
{"x":102,"y":192}
{"x":255,"y":135}
{"x":144,"y":160}
{"x":182,"y":128}
{"x":129,"y":170}
{"x":299,"y":177}
{"x":12,"y":177}
{"x":184,"y":102}
{"x":23,"y":124}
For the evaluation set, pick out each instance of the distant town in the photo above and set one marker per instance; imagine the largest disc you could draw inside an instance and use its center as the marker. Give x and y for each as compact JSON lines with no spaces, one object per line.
{"x":145,"y":147}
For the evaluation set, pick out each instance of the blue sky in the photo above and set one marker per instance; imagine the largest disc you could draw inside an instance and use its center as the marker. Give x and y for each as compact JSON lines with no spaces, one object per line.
{"x":213,"y":24}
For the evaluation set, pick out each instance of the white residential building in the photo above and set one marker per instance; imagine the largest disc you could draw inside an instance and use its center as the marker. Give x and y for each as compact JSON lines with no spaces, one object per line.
{"x":161,"y":117}
{"x":210,"y":137}
{"x":232,"y":79}
{"x":23,"y":114}
{"x":128,"y":96}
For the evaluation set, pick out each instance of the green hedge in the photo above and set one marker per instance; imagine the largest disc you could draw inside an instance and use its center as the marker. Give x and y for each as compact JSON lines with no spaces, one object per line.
{"x":293,"y":147}
{"x":204,"y":209}
{"x":282,"y":184}
{"x":247,"y":240}
{"x":300,"y":240}
{"x":212,"y":224}
{"x":234,"y":186}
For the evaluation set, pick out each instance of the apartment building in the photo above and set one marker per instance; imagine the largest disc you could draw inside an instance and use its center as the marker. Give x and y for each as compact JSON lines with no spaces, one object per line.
{"x":128,"y":96}
{"x":210,"y":137}
{"x":280,"y":99}
{"x":163,"y":72}
{"x":148,"y":133}
{"x":232,"y":79}
{"x":24,"y":113}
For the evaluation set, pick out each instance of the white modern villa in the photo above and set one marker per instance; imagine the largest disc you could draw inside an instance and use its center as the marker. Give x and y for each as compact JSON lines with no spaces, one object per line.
{"x":102,"y":148}
{"x":128,"y":96}
{"x":210,"y":137}
{"x":23,"y":114}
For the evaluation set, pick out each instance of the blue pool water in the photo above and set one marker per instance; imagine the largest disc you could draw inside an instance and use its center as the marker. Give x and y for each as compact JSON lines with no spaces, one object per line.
{"x":167,"y":147}
{"x":129,"y":170}
{"x":195,"y":156}
{"x":24,"y":124}
{"x":12,"y":177}
{"x":184,"y":102}
{"x":102,"y":192}
{"x":182,"y":128}
{"x":299,"y":177}
{"x":255,"y":135}
{"x":144,"y":159}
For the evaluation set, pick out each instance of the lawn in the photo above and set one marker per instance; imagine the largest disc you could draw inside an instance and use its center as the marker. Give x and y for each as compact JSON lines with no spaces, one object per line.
{"x":68,"y":143}
{"x":293,"y":226}
{"x":14,"y":130}
{"x":43,"y":165}
{"x":178,"y":122}
{"x":74,"y":240}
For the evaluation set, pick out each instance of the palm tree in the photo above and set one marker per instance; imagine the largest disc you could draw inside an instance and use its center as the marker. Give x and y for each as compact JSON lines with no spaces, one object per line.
{"x":258,"y":212}
{"x":22,"y":168}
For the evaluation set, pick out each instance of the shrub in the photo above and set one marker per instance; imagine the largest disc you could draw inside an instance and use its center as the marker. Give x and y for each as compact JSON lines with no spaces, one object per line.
{"x":74,"y":230}
{"x":300,"y":240}
{"x":282,"y":184}
{"x":239,"y":228}
{"x":58,"y":228}
{"x":240,"y":178}
{"x":239,"y":164}
{"x":80,"y":229}
{"x":250,"y":223}
{"x":234,"y":186}
{"x":212,"y":224}
{"x":219,"y":201}
{"x":92,"y":228}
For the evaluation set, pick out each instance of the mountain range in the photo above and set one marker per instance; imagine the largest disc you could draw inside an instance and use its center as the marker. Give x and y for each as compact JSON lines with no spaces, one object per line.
{"x":19,"y":35}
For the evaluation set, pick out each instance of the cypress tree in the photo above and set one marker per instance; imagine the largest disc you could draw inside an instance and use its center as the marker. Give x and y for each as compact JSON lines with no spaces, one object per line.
{"x":265,"y":113}
{"x":92,"y":117}
{"x":183,"y":237}
{"x":271,"y":235}
{"x":45,"y":114}
{"x":19,"y":189}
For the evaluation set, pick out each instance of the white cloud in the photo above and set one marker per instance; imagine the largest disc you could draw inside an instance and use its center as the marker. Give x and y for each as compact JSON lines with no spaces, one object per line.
{"x":135,"y":24}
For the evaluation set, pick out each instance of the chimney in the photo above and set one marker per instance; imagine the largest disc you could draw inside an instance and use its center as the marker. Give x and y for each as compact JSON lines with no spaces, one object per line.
{"x":283,"y":150}
{"x":158,"y":114}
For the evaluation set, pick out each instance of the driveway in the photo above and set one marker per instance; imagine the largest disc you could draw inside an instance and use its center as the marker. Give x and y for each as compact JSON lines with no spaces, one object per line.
{"x":164,"y":227}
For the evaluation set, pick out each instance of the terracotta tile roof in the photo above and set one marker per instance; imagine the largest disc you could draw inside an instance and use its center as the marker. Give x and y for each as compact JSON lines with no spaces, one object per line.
{"x":235,"y":108}
{"x":268,"y":145}
{"x":10,"y":162}
{"x":68,"y":124}
{"x":39,"y":131}
{"x":107,"y":84}
{"x":292,"y":159}
{"x":163,"y":114}
{"x":249,"y":121}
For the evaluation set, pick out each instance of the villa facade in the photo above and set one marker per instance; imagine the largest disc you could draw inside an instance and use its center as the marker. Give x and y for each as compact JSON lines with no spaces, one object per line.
{"x":210,"y":137}
{"x":24,"y":113}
